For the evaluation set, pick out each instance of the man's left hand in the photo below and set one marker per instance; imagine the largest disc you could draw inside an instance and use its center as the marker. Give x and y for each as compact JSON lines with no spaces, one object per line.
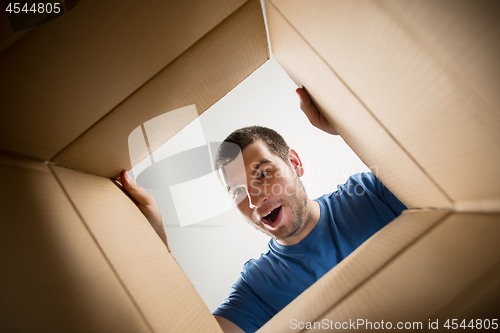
{"x":313,"y":114}
{"x":146,"y":204}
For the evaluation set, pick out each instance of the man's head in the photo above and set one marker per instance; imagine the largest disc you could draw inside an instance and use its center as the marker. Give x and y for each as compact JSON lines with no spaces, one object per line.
{"x":261,"y":174}
{"x":245,"y":136}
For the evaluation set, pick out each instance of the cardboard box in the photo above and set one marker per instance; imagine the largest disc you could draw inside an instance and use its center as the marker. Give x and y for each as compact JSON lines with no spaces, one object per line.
{"x":77,"y":255}
{"x":411,"y":86}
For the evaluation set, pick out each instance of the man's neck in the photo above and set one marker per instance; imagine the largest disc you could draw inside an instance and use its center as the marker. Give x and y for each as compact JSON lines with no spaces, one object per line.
{"x":311,"y":222}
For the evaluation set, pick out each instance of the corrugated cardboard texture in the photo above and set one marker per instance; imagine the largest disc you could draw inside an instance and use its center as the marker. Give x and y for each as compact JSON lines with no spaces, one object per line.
{"x":479,"y":301}
{"x":151,"y":275}
{"x":451,"y":269}
{"x":431,"y":275}
{"x":428,"y":72}
{"x":356,"y":269}
{"x":201,"y":76}
{"x":54,"y":277}
{"x":363,"y":132}
{"x":79,"y":256}
{"x":66,"y":74}
{"x":411,"y":86}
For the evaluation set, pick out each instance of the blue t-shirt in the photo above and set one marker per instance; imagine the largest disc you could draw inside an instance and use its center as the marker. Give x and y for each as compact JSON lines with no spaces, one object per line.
{"x":349,"y":216}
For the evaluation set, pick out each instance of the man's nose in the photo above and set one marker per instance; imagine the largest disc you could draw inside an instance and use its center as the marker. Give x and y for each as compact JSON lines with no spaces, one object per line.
{"x":256,"y":196}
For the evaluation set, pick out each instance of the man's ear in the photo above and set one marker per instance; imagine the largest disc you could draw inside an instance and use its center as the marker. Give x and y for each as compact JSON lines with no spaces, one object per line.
{"x":296,"y":162}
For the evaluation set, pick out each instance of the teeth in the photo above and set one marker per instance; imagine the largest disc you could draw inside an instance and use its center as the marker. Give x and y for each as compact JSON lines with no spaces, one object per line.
{"x":267,"y":214}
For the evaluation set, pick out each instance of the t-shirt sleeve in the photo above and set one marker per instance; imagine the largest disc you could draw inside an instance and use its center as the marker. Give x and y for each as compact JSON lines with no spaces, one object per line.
{"x":359,"y":208}
{"x":374,"y":185}
{"x":243,"y":307}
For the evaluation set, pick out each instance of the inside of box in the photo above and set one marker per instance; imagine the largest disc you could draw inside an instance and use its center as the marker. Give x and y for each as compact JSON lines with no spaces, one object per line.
{"x":420,"y":268}
{"x":400,"y":77}
{"x":430,"y":106}
{"x":411,"y":87}
{"x":73,"y":89}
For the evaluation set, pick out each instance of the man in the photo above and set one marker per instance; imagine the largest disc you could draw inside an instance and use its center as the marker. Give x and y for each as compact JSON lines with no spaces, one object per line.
{"x":309,"y":237}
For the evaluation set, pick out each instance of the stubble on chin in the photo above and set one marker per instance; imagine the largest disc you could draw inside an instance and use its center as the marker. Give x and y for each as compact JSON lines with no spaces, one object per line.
{"x":298,"y":211}
{"x":298,"y":222}
{"x":297,"y":205}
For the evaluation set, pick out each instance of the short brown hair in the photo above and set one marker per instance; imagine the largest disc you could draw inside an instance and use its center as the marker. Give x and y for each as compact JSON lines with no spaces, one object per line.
{"x":244,"y":137}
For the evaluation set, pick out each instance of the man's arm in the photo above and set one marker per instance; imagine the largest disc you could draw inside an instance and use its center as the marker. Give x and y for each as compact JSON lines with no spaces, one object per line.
{"x":148,"y":207}
{"x":146,"y":204}
{"x":313,"y":114}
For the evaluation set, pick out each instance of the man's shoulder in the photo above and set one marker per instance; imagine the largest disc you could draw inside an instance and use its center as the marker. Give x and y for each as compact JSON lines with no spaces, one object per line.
{"x":356,"y":184}
{"x":363,"y":193}
{"x":256,"y":263}
{"x":364,"y":178}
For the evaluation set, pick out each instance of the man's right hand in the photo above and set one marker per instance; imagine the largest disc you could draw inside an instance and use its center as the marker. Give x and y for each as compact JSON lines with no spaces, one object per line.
{"x":146,"y":204}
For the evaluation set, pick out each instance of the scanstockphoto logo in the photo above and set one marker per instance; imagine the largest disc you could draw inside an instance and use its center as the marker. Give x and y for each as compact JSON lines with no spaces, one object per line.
{"x":179,"y":174}
{"x":28,"y":14}
{"x":328,"y":178}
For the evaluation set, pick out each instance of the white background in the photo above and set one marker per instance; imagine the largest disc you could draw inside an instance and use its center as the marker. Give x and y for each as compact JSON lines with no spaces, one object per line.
{"x":212,"y":253}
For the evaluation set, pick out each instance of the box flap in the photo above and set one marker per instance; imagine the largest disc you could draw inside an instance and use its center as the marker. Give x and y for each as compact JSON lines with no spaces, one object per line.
{"x":431,"y":275}
{"x":351,"y":273}
{"x":426,"y":71}
{"x":424,"y":280}
{"x":150,"y":274}
{"x":201,"y":76}
{"x":364,"y":133}
{"x":480,"y":300}
{"x":64,"y":75}
{"x":55,"y":277}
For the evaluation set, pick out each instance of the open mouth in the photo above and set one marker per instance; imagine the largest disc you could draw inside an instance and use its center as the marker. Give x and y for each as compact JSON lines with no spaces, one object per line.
{"x":272,"y":215}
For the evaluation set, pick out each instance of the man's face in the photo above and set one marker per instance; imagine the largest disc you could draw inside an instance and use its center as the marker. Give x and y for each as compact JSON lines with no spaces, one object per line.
{"x":275,"y":201}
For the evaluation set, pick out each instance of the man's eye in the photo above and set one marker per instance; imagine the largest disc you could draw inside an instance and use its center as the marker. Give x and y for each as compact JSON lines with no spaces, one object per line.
{"x":238,"y":191}
{"x":263,"y":174}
